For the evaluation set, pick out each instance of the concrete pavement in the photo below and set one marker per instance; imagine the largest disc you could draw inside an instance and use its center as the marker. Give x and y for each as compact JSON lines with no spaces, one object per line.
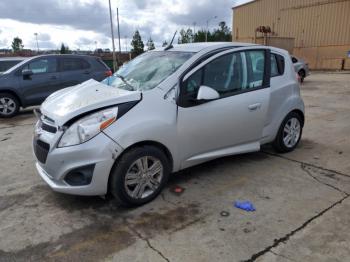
{"x":302,"y":201}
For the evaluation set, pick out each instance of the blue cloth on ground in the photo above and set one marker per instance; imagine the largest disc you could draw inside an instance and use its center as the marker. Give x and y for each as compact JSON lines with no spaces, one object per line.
{"x":245,"y":205}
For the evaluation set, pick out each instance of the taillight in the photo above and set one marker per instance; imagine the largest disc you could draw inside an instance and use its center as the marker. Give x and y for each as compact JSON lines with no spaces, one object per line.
{"x":108,"y":73}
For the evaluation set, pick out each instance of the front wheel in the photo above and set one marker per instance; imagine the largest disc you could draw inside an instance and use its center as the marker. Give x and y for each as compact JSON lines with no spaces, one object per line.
{"x":289,"y":133}
{"x":9,"y":105}
{"x":139,"y":176}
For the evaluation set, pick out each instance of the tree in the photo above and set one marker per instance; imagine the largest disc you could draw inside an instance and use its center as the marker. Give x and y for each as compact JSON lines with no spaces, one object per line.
{"x":150,"y":44}
{"x":223,"y":33}
{"x":165,"y":43}
{"x":186,"y":36}
{"x":64,"y":49}
{"x":137,"y":44}
{"x":200,"y":36}
{"x":17,"y":44}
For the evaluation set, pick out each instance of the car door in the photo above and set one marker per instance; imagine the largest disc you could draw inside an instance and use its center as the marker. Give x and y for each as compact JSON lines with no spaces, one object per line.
{"x":43,"y":81}
{"x":74,"y":70}
{"x":234,"y":122}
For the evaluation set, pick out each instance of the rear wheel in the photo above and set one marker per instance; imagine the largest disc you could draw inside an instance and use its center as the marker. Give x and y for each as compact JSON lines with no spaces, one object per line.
{"x":289,"y":133}
{"x":139,"y":176}
{"x":9,"y":105}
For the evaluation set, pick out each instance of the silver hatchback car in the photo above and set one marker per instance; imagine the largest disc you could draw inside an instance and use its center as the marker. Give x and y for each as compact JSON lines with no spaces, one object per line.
{"x":164,"y":111}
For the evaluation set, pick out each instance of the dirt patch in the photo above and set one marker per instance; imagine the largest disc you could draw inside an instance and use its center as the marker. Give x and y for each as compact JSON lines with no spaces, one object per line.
{"x":150,"y":223}
{"x":111,"y":230}
{"x":90,"y":243}
{"x":307,"y":144}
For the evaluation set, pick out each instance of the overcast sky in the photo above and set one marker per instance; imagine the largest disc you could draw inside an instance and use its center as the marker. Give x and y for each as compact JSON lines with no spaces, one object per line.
{"x":85,"y":24}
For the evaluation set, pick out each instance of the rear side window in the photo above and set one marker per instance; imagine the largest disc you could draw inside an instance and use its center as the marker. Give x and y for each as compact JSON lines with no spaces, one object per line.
{"x":256,"y":68}
{"x":72,"y":64}
{"x":277,"y":65}
{"x":101,"y":64}
{"x":42,"y":65}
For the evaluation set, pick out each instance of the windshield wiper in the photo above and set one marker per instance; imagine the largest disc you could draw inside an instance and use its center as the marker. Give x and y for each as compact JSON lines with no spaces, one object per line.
{"x":126,"y":82}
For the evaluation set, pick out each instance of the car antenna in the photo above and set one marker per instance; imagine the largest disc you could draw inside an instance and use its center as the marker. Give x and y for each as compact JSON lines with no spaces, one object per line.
{"x":171,"y":43}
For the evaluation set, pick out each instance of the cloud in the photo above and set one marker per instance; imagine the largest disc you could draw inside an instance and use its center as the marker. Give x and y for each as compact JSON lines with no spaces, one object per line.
{"x":83,"y":41}
{"x":44,"y":37}
{"x":82,"y":15}
{"x":200,"y":11}
{"x":142,"y":4}
{"x":82,"y":22}
{"x":3,"y":43}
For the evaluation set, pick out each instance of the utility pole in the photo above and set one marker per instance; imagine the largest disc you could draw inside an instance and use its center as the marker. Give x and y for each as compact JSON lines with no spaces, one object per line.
{"x":37,"y":43}
{"x":206,"y":33}
{"x":120,"y":49}
{"x":194,"y":30}
{"x":112,"y":33}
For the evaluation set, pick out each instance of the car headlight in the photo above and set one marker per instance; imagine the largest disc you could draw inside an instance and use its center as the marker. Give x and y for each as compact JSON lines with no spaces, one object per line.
{"x":88,"y":127}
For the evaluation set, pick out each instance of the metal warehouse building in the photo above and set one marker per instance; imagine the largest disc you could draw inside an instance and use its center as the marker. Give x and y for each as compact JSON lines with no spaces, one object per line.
{"x":316,"y":30}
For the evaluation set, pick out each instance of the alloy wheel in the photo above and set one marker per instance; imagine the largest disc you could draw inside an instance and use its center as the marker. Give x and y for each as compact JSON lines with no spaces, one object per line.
{"x":291,"y":132}
{"x":7,"y":106}
{"x":143,"y":177}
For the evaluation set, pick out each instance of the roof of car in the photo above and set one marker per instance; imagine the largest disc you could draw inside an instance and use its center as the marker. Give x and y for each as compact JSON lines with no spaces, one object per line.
{"x":13,"y":58}
{"x":197,"y":47}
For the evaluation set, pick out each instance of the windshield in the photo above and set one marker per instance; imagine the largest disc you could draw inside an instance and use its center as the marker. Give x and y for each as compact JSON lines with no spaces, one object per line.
{"x":147,"y":71}
{"x":19,"y":64}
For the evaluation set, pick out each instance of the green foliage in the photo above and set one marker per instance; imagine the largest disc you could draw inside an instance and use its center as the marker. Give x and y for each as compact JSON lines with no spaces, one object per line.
{"x":17,"y":44}
{"x":186,"y":36}
{"x":200,"y":36}
{"x":223,"y":33}
{"x":137,"y":44}
{"x":64,"y":49}
{"x":220,"y":34}
{"x":150,"y":44}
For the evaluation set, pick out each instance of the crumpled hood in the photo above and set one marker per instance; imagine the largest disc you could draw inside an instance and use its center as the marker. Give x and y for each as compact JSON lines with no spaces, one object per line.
{"x":70,"y":102}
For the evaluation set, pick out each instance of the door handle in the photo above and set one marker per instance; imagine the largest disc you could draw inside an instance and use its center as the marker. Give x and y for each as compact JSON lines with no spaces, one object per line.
{"x":254,"y":106}
{"x":53,"y":77}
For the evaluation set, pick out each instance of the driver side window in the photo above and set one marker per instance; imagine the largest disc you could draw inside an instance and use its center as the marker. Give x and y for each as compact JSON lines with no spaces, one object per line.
{"x":229,"y":74}
{"x":224,"y":74}
{"x":42,"y":65}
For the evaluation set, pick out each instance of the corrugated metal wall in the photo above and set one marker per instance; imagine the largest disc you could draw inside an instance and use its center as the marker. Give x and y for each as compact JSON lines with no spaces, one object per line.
{"x":311,"y":22}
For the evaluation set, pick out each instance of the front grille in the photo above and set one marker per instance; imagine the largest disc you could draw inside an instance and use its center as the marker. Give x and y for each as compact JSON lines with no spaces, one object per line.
{"x":48,"y":128}
{"x":41,"y":150}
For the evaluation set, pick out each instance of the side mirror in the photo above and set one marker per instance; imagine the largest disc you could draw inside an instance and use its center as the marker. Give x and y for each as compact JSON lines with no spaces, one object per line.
{"x":207,"y":93}
{"x":27,"y":72}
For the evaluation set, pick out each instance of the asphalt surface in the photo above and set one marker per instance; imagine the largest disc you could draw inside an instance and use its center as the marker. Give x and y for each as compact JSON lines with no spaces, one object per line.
{"x":301,"y":198}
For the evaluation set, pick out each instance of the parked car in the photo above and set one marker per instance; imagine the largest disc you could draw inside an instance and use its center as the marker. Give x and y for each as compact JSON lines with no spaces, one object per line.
{"x":7,"y":62}
{"x":301,"y":67}
{"x":164,"y":111}
{"x":31,"y":81}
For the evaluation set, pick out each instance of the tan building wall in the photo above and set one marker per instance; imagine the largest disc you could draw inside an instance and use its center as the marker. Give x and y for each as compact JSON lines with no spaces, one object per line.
{"x":320,"y":28}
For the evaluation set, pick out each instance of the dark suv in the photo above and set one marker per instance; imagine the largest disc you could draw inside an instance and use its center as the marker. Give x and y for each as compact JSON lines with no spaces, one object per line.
{"x":31,"y":81}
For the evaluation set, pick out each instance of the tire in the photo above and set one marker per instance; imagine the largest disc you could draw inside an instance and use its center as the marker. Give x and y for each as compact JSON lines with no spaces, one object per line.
{"x":129,"y":168}
{"x":281,"y":144}
{"x":9,"y":105}
{"x":301,"y":74}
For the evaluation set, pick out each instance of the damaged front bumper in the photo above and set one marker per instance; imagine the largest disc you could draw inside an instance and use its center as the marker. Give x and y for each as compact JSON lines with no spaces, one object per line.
{"x":81,"y":169}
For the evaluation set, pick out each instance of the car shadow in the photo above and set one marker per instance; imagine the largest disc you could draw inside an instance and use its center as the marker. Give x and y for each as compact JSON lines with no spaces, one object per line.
{"x":190,"y":176}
